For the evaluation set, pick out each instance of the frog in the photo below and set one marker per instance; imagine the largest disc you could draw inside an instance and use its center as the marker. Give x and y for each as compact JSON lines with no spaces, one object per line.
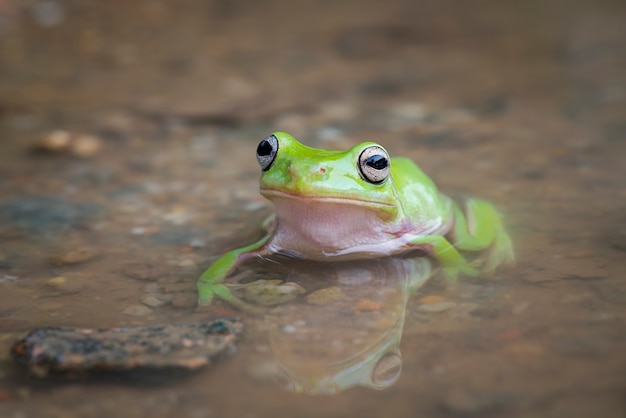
{"x":361,"y":203}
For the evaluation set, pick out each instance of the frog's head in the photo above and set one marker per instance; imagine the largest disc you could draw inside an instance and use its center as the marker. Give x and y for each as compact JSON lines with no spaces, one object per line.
{"x":360,"y":176}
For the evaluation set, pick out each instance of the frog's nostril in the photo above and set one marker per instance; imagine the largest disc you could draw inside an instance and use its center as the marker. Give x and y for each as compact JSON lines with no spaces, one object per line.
{"x":322,"y":170}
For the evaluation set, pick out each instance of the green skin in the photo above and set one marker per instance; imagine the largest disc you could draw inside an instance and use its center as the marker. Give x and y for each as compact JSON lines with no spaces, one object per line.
{"x":326,"y":207}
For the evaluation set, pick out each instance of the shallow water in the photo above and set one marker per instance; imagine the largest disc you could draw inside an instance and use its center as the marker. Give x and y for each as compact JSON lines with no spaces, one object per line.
{"x":522,"y":105}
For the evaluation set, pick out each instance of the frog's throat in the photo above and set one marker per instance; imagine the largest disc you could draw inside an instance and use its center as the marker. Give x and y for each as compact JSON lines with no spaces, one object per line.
{"x":328,"y":199}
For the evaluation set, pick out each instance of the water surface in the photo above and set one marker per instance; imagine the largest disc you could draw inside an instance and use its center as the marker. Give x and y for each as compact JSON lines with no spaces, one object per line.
{"x":524,"y":105}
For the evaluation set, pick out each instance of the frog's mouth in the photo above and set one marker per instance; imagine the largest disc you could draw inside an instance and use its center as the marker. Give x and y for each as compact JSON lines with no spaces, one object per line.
{"x":318,"y":226}
{"x":386,"y":206}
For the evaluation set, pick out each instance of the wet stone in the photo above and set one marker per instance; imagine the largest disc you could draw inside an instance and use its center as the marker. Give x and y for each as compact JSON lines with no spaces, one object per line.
{"x":86,"y":146}
{"x":186,"y":263}
{"x":55,"y":141}
{"x":64,"y":142}
{"x":270,"y":292}
{"x":137,"y":310}
{"x":57,"y":281}
{"x":77,"y":256}
{"x":325,"y":296}
{"x":63,"y":285}
{"x":197,"y":243}
{"x":152,"y":301}
{"x":160,"y":348}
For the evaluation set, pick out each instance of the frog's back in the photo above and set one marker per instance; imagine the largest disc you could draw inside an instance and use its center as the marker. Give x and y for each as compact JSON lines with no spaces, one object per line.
{"x":418,"y":194}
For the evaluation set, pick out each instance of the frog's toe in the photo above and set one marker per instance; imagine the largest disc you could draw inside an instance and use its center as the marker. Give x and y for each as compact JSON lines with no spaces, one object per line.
{"x":500,"y":253}
{"x":205,"y":300}
{"x":205,"y":295}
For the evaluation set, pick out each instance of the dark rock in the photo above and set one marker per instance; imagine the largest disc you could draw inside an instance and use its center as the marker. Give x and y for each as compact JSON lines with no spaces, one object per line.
{"x":157,"y":348}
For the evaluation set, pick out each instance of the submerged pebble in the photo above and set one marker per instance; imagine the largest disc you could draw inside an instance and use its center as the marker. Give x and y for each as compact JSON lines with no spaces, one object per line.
{"x":137,"y":310}
{"x":86,"y":146}
{"x":64,"y":142}
{"x":186,"y":263}
{"x":56,"y":281}
{"x":196,"y":243}
{"x":152,"y":301}
{"x":270,"y":292}
{"x":325,"y":296}
{"x":77,"y":256}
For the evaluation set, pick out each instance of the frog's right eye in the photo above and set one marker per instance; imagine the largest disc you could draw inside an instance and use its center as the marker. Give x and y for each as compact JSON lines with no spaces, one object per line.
{"x":266,"y":152}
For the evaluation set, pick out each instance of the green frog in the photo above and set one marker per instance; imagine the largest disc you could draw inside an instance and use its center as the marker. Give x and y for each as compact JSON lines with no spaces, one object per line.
{"x":361,"y":203}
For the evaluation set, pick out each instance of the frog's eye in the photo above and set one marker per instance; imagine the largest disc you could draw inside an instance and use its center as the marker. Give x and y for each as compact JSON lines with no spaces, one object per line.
{"x":266,"y":152}
{"x":374,"y":164}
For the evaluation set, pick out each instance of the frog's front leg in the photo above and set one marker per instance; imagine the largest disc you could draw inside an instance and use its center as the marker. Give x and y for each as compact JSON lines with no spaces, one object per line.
{"x":451,"y":261}
{"x":210,"y":282}
{"x":481,"y":228}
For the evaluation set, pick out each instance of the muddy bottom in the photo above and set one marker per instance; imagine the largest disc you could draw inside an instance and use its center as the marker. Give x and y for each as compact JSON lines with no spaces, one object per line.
{"x":127,"y":164}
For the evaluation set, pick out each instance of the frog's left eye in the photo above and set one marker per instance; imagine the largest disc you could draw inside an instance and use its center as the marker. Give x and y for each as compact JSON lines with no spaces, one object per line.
{"x":374,"y":164}
{"x":266,"y":152}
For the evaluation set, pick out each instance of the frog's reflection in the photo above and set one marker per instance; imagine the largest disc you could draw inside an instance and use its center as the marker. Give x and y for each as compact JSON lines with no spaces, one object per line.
{"x":345,"y":327}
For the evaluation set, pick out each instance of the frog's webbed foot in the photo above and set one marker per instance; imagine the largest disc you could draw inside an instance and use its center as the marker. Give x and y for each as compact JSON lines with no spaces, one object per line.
{"x":451,"y":261}
{"x":206,"y":293}
{"x":500,"y":252}
{"x":211,"y":282}
{"x":209,"y":288}
{"x":480,"y":228}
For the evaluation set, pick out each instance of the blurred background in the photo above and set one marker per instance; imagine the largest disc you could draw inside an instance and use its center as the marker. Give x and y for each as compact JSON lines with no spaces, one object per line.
{"x":127,"y":139}
{"x":243,"y":62}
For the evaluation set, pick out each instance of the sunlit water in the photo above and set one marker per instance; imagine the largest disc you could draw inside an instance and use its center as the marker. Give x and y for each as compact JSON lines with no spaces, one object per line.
{"x":522,"y":106}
